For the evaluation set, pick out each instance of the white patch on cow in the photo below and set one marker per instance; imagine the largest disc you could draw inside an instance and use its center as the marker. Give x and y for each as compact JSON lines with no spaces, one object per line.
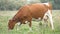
{"x":46,"y":4}
{"x":18,"y":23}
{"x":45,"y":16}
{"x":48,"y":13}
{"x":26,"y":21}
{"x":39,"y":18}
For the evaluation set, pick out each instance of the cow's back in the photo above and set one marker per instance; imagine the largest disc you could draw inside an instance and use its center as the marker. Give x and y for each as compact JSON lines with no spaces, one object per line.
{"x":37,"y":10}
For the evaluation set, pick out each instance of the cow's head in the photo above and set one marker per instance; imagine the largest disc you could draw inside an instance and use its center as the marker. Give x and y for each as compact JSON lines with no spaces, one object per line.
{"x":11,"y":24}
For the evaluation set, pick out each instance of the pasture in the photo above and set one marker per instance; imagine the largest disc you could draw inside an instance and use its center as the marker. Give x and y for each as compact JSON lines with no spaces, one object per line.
{"x":24,"y":28}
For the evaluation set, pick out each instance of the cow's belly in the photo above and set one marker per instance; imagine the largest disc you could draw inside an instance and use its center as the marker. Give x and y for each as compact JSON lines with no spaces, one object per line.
{"x":37,"y":13}
{"x":37,"y":17}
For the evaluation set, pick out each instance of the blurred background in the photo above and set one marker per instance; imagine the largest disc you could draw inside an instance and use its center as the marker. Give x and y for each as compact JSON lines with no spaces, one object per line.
{"x":16,"y":4}
{"x":8,"y":8}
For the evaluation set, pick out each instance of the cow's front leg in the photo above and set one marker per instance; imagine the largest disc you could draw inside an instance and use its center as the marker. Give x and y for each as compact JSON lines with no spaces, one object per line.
{"x":30,"y":26}
{"x":18,"y":25}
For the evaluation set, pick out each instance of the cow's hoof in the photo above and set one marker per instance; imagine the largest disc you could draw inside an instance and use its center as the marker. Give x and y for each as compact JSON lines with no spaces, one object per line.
{"x":30,"y":31}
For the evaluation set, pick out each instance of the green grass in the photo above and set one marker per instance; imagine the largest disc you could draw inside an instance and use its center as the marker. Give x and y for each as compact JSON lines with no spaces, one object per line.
{"x":6,"y":15}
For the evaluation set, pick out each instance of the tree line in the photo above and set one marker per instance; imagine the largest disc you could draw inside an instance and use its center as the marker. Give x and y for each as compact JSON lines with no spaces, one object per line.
{"x":16,"y":4}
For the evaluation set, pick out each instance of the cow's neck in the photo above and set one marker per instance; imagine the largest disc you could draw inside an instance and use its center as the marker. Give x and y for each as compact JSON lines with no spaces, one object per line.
{"x":15,"y":19}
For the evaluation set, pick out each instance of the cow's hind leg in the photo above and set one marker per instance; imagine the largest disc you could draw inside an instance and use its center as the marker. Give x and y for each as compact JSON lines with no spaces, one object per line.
{"x":50,"y":18}
{"x":46,"y":22}
{"x":45,"y":19}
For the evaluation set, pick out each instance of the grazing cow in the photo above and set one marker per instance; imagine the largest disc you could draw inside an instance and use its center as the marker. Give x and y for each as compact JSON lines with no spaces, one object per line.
{"x":26,"y":13}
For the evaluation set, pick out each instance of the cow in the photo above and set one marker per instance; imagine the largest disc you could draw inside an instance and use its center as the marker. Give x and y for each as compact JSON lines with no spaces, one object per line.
{"x":41,"y":11}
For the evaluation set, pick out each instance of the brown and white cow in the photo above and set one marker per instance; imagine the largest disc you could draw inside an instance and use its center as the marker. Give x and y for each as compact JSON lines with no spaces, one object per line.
{"x":27,"y":12}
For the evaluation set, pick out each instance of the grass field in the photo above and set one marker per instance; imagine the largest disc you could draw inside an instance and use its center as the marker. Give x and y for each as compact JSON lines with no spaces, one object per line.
{"x":6,"y":15}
